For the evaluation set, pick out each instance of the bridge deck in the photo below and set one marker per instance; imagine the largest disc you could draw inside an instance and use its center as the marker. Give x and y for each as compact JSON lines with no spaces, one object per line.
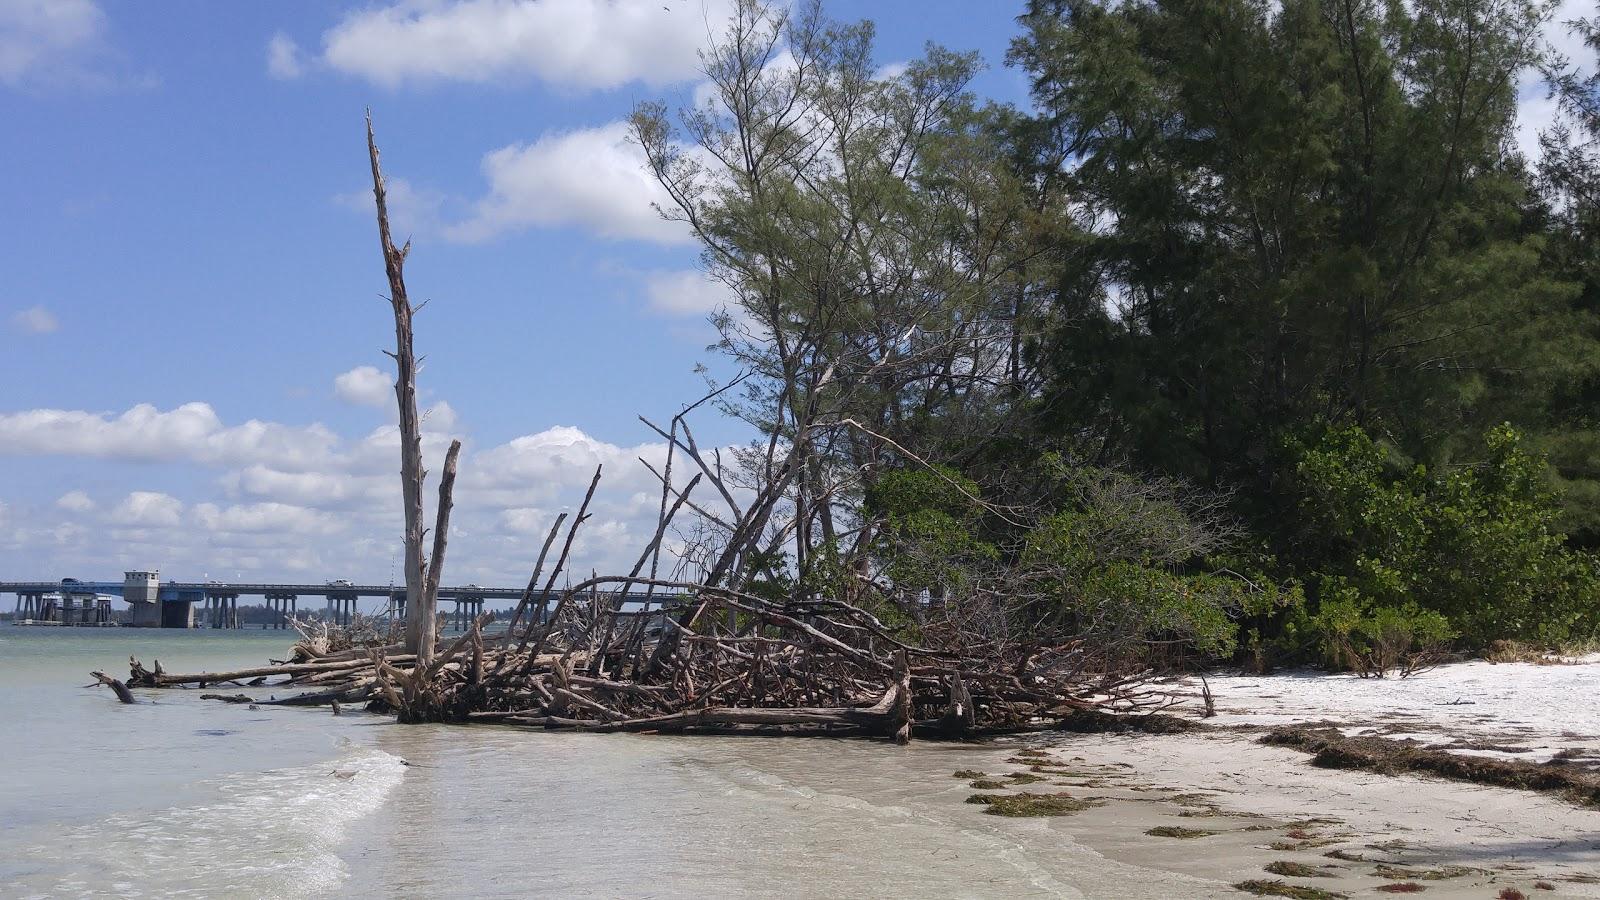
{"x":182,"y":590}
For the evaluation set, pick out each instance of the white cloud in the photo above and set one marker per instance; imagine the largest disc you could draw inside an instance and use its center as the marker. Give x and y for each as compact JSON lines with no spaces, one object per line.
{"x":364,"y":386}
{"x":584,"y":44}
{"x":561,"y":457}
{"x":61,"y":44}
{"x":686,"y":293}
{"x":1536,"y":109}
{"x":593,"y":178}
{"x":283,"y":58}
{"x":191,"y":432}
{"x":35,"y":320}
{"x":42,"y":41}
{"x":75,"y":501}
{"x":148,"y":508}
{"x":439,"y":418}
{"x":300,"y":500}
{"x":325,"y":490}
{"x":265,"y":518}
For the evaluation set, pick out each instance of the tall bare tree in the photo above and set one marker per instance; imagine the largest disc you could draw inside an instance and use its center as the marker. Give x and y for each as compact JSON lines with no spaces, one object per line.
{"x":421,"y":603}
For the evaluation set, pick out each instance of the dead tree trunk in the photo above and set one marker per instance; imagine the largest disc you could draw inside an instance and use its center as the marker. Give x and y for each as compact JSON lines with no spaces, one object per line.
{"x":441,"y":527}
{"x":117,"y":687}
{"x":420,"y":617}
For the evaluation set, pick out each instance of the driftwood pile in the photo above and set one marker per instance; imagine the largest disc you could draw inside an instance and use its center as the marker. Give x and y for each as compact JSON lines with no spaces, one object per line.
{"x":707,"y":660}
{"x":726,"y":651}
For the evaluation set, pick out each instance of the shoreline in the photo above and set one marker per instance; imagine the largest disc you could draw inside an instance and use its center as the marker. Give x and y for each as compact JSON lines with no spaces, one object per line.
{"x":1248,"y":808}
{"x":581,"y":804}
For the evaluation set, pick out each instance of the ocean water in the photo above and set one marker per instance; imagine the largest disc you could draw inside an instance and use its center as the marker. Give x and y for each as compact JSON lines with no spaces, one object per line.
{"x":177,"y":796}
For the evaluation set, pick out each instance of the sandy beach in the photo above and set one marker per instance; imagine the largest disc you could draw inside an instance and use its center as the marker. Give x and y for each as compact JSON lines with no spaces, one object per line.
{"x":1227,"y":810}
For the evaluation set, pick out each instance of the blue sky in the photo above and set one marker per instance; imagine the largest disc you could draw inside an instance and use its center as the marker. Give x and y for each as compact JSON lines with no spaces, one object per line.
{"x":190,"y":316}
{"x":187,"y":216}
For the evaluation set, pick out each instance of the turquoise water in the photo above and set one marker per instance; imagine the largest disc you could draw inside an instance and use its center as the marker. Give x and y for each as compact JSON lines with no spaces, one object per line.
{"x":176,"y":796}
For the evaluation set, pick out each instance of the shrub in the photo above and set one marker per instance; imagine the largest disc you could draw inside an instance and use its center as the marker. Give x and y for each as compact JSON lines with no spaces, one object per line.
{"x":1377,"y":640}
{"x":1476,"y":545}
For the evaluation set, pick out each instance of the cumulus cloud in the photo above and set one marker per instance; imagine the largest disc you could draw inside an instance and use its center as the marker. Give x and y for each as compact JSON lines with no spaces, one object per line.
{"x":191,"y":432}
{"x":593,"y":178}
{"x":148,"y":508}
{"x":44,"y":40}
{"x":283,"y":58}
{"x":266,"y":518}
{"x":685,"y":293}
{"x":328,"y":490}
{"x":364,"y":386}
{"x":439,"y":417}
{"x":55,"y":44}
{"x":327,"y":509}
{"x":580,"y":44}
{"x":75,"y":501}
{"x":35,"y":320}
{"x":540,"y":465}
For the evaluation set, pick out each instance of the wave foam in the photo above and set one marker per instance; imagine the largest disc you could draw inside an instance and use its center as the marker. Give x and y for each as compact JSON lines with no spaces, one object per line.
{"x":269,"y":835}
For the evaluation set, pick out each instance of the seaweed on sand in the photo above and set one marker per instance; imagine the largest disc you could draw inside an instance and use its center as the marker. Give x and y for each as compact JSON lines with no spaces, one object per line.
{"x":1290,"y":869}
{"x":1178,"y":831}
{"x":1332,"y":750}
{"x":1028,"y":805}
{"x":1264,"y":888}
{"x":1403,"y":873}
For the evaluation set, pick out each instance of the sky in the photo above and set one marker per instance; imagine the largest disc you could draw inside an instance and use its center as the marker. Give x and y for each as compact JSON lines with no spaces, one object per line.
{"x":191,"y":292}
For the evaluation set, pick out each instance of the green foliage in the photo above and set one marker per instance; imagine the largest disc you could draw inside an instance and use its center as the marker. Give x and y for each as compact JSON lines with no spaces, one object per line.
{"x":1377,"y":640}
{"x":1468,"y":549}
{"x":930,"y":517}
{"x":1122,"y":556}
{"x":1306,"y":215}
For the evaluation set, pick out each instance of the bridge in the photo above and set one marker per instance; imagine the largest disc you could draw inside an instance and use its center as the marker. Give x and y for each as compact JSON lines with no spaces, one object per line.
{"x":174,"y":604}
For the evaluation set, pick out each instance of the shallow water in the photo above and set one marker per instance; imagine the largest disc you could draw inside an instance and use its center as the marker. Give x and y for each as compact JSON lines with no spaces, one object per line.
{"x":184,"y":797}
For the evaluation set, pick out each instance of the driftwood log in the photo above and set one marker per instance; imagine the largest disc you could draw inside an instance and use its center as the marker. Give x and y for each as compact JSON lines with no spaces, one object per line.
{"x":117,"y":687}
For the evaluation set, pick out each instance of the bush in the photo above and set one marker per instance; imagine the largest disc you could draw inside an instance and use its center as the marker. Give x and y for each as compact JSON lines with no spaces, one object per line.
{"x":1375,"y":640}
{"x":1078,"y":553}
{"x":1475,"y":546}
{"x":1124,"y":559}
{"x":930,"y":522}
